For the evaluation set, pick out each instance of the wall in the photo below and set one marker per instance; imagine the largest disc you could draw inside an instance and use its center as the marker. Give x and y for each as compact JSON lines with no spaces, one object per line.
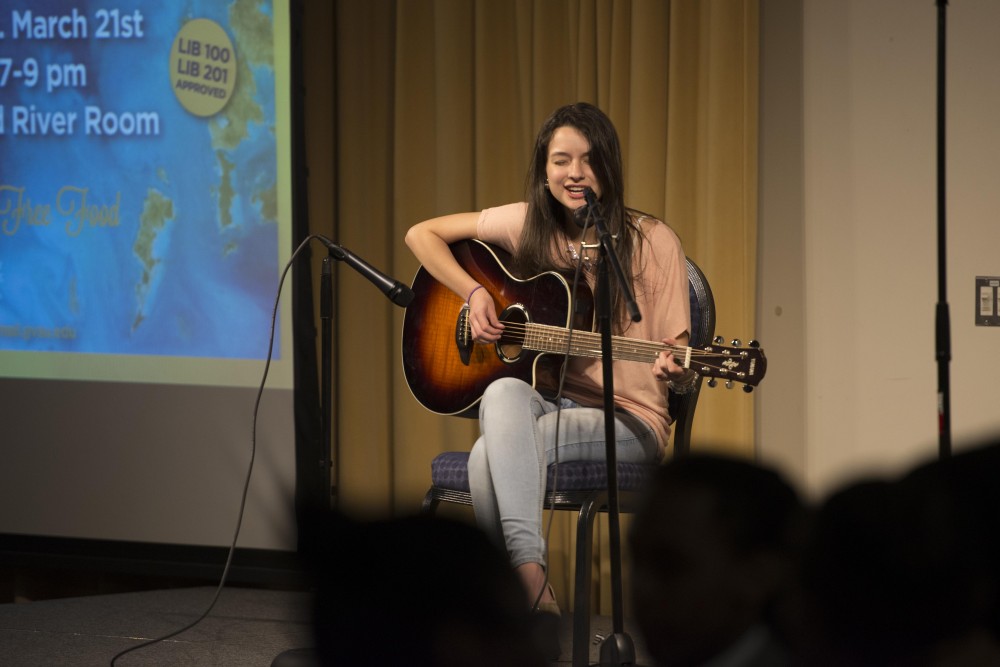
{"x":848,"y":277}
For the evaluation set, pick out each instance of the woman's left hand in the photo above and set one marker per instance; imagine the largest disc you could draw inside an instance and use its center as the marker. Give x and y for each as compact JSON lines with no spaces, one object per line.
{"x":666,"y":367}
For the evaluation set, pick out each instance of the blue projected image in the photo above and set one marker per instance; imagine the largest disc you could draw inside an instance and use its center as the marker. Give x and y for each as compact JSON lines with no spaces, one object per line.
{"x":139,"y":180}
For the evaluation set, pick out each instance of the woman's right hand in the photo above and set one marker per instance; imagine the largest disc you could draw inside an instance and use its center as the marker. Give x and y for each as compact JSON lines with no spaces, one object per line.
{"x":429,"y":242}
{"x":483,"y":321}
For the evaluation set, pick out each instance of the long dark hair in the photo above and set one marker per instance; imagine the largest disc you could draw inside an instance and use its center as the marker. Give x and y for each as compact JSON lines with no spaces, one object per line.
{"x":546,"y":215}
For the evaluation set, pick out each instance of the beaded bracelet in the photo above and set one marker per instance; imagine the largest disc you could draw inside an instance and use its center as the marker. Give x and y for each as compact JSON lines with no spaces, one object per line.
{"x":469,"y":298}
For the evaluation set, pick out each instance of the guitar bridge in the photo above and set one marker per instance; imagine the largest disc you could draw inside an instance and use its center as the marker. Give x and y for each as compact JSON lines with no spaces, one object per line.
{"x":463,"y":337}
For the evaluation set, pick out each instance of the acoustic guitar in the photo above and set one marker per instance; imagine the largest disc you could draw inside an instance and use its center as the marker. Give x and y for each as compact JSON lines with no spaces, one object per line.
{"x":447,"y":371}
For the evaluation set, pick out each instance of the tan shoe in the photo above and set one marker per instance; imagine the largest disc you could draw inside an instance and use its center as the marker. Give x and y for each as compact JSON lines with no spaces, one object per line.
{"x":547,"y":620}
{"x":549,"y":607}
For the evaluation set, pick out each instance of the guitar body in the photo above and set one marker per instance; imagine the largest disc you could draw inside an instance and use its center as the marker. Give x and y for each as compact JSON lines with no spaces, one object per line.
{"x":448,"y":374}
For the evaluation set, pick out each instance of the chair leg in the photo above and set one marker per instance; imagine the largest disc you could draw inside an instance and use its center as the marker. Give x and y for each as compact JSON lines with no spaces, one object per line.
{"x":581,"y":603}
{"x":430,"y":504}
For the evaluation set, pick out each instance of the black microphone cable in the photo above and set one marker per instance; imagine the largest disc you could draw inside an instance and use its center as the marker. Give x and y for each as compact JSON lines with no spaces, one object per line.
{"x":249,"y":473}
{"x":577,"y":272}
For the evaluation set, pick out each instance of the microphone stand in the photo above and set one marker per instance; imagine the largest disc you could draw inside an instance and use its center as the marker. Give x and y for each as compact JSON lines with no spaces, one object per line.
{"x":399,"y":294}
{"x":327,"y":467}
{"x":942,"y":319}
{"x":395,"y":291}
{"x":618,"y":648}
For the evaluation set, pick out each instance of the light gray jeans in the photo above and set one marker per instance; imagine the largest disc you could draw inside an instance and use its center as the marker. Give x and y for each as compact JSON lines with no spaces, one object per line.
{"x":508,"y":463}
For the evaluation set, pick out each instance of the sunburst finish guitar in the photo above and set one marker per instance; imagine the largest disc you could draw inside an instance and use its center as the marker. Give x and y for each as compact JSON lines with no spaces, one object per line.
{"x":448,"y":372}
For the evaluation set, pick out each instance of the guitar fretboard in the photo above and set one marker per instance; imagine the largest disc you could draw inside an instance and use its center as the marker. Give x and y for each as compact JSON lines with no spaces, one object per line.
{"x":552,"y":339}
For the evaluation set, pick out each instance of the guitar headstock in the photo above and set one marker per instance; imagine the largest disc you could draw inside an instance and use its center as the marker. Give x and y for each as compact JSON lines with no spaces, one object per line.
{"x":732,"y":363}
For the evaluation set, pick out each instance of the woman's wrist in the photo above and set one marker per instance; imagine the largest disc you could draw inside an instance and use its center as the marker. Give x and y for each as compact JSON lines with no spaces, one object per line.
{"x":683,"y":384}
{"x":468,"y":299}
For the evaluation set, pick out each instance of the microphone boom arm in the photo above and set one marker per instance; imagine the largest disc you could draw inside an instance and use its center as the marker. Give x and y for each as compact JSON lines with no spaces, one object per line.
{"x":398,"y":293}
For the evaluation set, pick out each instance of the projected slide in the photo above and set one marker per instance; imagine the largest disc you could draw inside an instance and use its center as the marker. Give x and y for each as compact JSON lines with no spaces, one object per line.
{"x":143,"y":206}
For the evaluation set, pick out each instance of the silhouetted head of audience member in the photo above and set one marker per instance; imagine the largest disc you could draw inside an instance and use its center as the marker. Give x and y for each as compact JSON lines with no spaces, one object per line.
{"x":970,"y":480}
{"x":904,"y":572}
{"x":417,"y":591}
{"x":714,"y":546}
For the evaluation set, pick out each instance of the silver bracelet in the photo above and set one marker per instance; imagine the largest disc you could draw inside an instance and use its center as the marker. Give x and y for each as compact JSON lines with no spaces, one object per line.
{"x":686,"y":388}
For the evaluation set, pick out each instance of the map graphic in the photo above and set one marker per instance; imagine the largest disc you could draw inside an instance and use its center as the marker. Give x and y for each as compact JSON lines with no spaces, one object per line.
{"x":139,"y":179}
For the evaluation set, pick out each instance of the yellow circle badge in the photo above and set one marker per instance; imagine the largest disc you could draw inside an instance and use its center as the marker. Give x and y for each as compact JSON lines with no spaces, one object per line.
{"x":203,"y":67}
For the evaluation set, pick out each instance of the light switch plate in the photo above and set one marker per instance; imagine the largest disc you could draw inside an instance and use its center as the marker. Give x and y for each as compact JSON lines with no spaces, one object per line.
{"x":987,"y":301}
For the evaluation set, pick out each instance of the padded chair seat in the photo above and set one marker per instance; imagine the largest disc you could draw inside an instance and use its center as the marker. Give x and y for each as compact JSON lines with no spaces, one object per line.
{"x":450,"y":471}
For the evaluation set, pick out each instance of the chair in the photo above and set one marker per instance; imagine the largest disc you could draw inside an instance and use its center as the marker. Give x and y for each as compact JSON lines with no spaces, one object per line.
{"x":583,"y":484}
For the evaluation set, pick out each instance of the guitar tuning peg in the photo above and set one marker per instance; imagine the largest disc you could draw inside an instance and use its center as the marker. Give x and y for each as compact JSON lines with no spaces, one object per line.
{"x":712,"y":383}
{"x":747,"y":388}
{"x":718,"y":340}
{"x":736,"y":342}
{"x":754,"y":344}
{"x":729,"y":384}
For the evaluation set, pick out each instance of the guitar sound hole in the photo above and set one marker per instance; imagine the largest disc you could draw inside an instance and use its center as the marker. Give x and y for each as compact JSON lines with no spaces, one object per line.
{"x":511,"y":343}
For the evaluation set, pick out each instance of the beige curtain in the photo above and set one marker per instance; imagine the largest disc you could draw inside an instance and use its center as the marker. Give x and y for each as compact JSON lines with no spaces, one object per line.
{"x":432,"y":108}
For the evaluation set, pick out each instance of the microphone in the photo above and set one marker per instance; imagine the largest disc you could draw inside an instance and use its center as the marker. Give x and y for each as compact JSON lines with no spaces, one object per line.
{"x":592,"y":207}
{"x":398,"y":293}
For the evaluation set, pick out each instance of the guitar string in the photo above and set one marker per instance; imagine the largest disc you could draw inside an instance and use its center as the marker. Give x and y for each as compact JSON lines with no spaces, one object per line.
{"x":627,"y":349}
{"x":554,"y":335}
{"x":516,"y":332}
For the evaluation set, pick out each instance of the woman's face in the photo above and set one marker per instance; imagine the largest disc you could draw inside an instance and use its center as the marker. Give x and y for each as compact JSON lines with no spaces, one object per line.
{"x":567,"y":168}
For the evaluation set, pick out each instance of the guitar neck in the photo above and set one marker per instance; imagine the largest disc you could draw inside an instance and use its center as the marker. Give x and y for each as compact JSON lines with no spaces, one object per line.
{"x":554,"y":340}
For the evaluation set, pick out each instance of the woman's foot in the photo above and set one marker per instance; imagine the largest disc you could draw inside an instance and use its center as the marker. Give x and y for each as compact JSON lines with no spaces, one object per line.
{"x":549,"y":607}
{"x":546,"y":614}
{"x":533,"y":577}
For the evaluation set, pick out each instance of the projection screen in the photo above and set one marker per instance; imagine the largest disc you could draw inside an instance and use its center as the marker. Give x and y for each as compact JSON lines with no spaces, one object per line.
{"x":145,"y":218}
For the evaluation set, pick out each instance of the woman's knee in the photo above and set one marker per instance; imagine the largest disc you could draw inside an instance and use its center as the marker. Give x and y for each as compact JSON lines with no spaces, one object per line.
{"x":507,"y":387}
{"x":505,"y":394}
